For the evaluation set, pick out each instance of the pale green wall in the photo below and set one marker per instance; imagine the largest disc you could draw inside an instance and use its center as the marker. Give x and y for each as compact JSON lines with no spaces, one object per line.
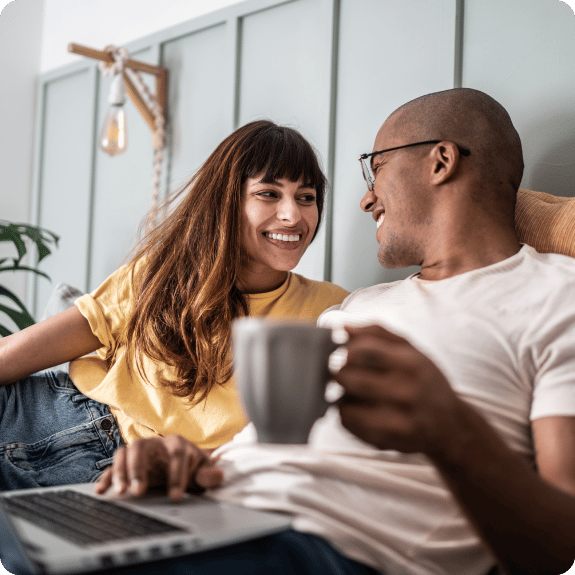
{"x":19,"y":67}
{"x":522,"y":52}
{"x":332,"y":69}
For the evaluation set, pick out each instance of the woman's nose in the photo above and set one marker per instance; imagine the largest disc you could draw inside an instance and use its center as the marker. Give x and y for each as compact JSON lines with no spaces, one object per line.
{"x":289,"y":211}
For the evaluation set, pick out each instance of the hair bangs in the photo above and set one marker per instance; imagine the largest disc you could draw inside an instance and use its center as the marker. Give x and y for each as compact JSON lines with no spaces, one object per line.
{"x":280,"y":152}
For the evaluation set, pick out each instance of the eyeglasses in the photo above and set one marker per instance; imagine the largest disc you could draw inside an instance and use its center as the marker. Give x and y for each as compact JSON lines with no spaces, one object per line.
{"x":366,"y":166}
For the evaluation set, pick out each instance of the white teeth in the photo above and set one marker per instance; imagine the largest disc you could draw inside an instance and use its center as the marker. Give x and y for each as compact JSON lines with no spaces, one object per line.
{"x":380,"y":220}
{"x":283,"y":237}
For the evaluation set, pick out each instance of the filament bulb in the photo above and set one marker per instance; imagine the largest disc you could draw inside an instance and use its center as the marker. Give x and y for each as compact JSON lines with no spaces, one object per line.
{"x":113,"y":137}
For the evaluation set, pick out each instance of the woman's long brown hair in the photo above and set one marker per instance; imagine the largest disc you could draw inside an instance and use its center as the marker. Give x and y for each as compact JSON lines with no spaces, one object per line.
{"x":184,"y":271}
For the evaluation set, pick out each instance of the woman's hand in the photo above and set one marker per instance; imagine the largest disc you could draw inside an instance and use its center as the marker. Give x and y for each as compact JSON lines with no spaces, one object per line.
{"x":171,"y":462}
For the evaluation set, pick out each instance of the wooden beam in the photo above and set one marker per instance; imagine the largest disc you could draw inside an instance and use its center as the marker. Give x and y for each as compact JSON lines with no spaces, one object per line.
{"x":159,"y":72}
{"x":139,"y":102}
{"x":108,"y":58}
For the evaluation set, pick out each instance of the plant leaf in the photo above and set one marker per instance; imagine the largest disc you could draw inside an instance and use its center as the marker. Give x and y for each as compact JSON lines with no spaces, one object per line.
{"x":4,"y":331}
{"x":41,"y":237}
{"x":9,"y":233}
{"x":11,"y":295}
{"x":17,"y":268}
{"x":21,"y":318}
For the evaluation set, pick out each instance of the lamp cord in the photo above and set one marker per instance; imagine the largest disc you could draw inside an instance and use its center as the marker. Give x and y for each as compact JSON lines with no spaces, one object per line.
{"x":120,"y":56}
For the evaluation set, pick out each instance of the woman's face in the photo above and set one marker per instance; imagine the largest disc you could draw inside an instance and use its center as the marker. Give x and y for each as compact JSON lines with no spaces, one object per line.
{"x":279,"y":220}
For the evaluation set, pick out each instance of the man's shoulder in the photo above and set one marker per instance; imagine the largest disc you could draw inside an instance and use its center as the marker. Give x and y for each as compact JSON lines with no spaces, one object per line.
{"x":371,"y":292}
{"x":550,"y":266}
{"x":547,"y":258}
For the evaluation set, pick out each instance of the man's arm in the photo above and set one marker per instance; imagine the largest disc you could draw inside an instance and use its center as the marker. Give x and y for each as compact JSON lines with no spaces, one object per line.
{"x":526,"y":518}
{"x":60,"y":338}
{"x":396,"y":398}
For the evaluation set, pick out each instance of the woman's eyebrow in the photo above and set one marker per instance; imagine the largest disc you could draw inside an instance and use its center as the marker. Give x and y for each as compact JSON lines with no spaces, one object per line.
{"x":268,"y":181}
{"x":279,"y":184}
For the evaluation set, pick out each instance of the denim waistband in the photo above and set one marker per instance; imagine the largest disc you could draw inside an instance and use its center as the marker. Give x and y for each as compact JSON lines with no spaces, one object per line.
{"x":52,"y":434}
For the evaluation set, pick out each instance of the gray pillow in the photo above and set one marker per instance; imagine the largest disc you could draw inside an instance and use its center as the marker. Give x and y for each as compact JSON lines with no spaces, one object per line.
{"x":62,"y":298}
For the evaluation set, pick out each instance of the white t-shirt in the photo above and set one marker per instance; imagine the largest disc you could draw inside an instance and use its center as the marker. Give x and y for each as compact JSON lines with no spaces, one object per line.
{"x":504,"y":337}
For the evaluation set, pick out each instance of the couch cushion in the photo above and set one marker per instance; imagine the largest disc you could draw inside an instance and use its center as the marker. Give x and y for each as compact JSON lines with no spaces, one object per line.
{"x":61,"y":298}
{"x":546,"y":222}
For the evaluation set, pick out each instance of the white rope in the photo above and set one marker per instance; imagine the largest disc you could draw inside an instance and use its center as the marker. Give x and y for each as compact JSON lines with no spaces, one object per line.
{"x":120,"y":56}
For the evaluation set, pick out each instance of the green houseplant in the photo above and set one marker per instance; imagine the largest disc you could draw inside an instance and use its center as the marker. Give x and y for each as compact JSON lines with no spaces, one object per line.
{"x":21,"y":236}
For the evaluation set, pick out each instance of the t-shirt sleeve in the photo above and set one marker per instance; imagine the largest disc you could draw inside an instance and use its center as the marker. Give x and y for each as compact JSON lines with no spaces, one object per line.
{"x":554,"y":354}
{"x":107,"y":307}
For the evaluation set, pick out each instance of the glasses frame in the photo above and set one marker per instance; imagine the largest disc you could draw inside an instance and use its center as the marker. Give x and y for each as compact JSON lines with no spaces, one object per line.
{"x":366,"y":166}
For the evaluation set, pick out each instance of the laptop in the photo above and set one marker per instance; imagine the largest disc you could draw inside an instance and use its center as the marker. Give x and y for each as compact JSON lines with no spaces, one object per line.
{"x":70,"y":529}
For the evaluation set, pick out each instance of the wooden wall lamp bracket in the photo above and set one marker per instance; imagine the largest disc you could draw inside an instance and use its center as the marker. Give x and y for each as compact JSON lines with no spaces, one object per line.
{"x":159,"y":72}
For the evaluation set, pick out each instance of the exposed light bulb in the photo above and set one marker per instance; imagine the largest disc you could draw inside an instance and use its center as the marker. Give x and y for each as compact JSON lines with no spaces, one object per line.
{"x":114,"y":136}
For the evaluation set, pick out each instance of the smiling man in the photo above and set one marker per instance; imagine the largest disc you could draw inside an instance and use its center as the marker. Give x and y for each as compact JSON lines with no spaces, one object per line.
{"x":453,"y":446}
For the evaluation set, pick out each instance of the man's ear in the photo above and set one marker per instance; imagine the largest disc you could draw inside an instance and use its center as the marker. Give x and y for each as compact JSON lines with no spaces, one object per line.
{"x":445,"y":159}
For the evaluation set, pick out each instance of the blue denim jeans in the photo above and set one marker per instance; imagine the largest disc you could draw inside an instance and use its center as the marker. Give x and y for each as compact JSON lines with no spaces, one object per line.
{"x":51,"y":434}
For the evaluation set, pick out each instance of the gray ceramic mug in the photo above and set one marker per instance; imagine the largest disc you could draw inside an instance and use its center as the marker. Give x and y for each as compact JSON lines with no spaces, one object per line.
{"x":281,"y":370}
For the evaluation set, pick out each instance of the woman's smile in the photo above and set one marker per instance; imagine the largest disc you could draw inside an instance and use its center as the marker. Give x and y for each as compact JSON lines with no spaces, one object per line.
{"x":287,"y":240}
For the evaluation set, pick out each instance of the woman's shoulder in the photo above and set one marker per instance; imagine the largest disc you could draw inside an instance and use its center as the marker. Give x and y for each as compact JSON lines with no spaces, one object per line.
{"x":326,"y":289}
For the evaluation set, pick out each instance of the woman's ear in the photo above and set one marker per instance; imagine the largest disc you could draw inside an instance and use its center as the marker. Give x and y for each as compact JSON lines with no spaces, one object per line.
{"x":445,"y":156}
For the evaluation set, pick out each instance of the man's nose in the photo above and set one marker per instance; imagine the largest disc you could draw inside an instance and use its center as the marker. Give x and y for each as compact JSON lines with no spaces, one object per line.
{"x":368,"y":201}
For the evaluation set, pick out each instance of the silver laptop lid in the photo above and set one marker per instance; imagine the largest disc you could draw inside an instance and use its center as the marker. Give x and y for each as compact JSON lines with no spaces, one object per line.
{"x":12,"y":553}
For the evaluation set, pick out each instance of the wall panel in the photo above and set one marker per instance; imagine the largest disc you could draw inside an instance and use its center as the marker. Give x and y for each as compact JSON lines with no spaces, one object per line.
{"x":334,"y":69}
{"x":65,"y":179}
{"x":285,"y":77}
{"x":123,"y":186}
{"x":198,"y":99}
{"x":390,"y":51}
{"x":529,"y":66}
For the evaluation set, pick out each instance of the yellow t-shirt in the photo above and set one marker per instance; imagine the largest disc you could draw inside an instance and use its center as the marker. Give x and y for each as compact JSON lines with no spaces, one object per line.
{"x":144,"y":409}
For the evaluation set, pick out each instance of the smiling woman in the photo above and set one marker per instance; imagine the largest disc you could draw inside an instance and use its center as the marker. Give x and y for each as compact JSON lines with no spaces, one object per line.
{"x":279,"y":220}
{"x":161,"y":324}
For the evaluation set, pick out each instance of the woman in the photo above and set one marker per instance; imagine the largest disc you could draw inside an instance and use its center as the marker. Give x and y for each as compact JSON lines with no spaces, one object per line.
{"x":161,"y":324}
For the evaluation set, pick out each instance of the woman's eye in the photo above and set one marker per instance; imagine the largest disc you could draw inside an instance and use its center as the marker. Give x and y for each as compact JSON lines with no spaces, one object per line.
{"x":307,"y":198}
{"x":267,"y":194}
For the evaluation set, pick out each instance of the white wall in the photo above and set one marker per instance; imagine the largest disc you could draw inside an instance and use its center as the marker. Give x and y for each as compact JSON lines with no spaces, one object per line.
{"x":529,"y":66}
{"x":97,"y":23}
{"x":34,"y":35}
{"x":19,"y":66}
{"x":520,"y":51}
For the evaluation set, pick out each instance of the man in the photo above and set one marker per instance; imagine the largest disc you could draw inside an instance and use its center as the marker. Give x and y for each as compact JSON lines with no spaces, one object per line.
{"x":457,"y":449}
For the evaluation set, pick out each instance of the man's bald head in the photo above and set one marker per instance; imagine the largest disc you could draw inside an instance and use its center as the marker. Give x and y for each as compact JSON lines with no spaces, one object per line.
{"x":473,"y":120}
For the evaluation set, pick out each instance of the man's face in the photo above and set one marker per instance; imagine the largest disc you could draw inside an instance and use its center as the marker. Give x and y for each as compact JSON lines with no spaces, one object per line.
{"x":398,"y":201}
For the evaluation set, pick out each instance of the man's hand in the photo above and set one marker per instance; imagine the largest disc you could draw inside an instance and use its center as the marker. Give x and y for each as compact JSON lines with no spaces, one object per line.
{"x":395,"y":397}
{"x":171,"y":462}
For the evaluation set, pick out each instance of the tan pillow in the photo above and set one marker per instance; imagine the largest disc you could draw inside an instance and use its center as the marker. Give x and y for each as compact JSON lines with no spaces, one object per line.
{"x":546,"y":222}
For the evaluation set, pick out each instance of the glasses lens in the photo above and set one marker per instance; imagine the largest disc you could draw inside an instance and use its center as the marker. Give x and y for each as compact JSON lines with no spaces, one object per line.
{"x":367,"y":175}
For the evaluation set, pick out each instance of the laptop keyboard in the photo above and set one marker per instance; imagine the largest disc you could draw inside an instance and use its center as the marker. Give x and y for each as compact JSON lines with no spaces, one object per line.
{"x":82,"y":519}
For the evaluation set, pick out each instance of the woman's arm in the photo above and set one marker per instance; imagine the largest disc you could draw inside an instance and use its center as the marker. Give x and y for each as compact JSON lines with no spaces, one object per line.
{"x":60,"y":338}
